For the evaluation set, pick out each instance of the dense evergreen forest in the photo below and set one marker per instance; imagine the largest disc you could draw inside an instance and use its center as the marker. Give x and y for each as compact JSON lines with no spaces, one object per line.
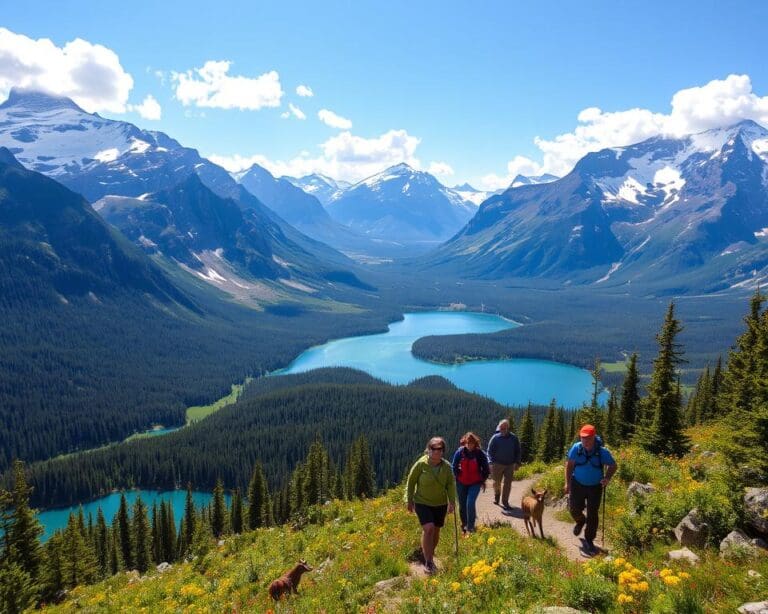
{"x":274,"y":422}
{"x":95,"y":370}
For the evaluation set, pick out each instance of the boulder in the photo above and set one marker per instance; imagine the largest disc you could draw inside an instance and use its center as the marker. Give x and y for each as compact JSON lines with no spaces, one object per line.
{"x":638,"y":489}
{"x":758,"y":542}
{"x":707,"y":454}
{"x":756,"y":509}
{"x":736,"y":543}
{"x":163,"y":567}
{"x":756,"y":607}
{"x":692,"y":531}
{"x":754,"y":574}
{"x":683,"y":555}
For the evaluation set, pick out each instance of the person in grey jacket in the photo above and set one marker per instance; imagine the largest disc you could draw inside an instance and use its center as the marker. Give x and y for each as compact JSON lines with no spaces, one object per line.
{"x":504,"y":455}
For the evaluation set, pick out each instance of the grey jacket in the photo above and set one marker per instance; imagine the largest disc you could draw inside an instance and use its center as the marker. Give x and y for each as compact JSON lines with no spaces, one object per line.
{"x":504,"y":450}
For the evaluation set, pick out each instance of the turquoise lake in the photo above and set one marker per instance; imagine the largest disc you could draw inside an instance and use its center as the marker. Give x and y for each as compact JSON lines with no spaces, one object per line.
{"x":53,"y":520}
{"x":388,"y":357}
{"x":512,"y":382}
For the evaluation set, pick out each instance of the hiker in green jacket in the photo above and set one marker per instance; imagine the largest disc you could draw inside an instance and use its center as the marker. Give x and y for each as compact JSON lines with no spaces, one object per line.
{"x":431,"y":493}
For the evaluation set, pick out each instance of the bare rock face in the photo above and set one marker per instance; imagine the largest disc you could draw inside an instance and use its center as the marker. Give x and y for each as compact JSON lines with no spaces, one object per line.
{"x":683,"y":555}
{"x":638,"y":489}
{"x":756,"y":607}
{"x":756,"y":509}
{"x":737,"y":543}
{"x":692,"y":531}
{"x":163,"y":567}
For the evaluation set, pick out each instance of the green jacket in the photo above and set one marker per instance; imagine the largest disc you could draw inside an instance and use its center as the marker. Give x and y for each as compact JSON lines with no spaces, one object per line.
{"x":430,"y":487}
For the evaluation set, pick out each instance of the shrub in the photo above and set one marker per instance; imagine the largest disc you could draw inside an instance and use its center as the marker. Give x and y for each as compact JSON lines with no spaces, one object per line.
{"x":592,"y":593}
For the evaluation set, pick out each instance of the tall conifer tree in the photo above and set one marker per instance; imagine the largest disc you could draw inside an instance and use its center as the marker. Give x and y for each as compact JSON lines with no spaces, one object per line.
{"x":257,"y":495}
{"x":527,"y":437}
{"x":219,"y":510}
{"x":630,"y":399}
{"x":124,"y":533}
{"x":142,"y":536}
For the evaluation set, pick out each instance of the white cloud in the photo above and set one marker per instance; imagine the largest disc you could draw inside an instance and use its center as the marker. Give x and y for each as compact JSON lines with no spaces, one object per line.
{"x":440,"y":169}
{"x":519,"y":165}
{"x":344,"y":156}
{"x":305,"y":91}
{"x":211,"y":86}
{"x":149,"y":109}
{"x":718,"y":103}
{"x":90,"y":74}
{"x":334,"y":121}
{"x":296,"y":111}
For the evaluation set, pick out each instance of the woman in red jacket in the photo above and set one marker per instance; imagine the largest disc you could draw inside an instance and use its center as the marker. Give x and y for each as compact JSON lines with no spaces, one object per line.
{"x":470,"y":466}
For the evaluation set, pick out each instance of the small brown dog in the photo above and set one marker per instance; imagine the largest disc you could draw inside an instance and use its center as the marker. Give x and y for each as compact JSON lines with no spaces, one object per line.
{"x":533,"y":508}
{"x":288,"y":582}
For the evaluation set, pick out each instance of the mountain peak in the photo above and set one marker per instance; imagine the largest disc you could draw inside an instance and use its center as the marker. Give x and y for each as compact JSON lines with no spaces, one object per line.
{"x":7,"y":158}
{"x":401,"y":168}
{"x":38,"y":101}
{"x":464,"y":187}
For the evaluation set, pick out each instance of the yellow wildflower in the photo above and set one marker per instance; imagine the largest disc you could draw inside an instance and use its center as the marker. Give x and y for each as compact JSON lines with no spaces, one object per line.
{"x":671,"y":580}
{"x":623,"y":598}
{"x":491,"y":540}
{"x":684,"y":575}
{"x":455,"y":586}
{"x":619,"y":562}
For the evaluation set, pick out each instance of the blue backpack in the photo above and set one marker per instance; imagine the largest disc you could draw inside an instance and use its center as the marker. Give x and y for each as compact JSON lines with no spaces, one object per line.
{"x":582,"y":458}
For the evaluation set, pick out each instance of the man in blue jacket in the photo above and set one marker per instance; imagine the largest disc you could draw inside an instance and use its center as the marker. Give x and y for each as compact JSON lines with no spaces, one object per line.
{"x":584,"y":483}
{"x":504,"y":455}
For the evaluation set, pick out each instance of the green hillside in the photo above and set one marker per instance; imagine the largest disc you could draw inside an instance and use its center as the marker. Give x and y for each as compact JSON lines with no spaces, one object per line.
{"x":353,"y":546}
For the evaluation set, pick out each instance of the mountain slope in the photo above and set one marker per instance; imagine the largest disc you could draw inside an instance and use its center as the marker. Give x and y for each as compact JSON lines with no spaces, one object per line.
{"x":687,"y":213}
{"x":53,"y":243}
{"x":402,"y":203}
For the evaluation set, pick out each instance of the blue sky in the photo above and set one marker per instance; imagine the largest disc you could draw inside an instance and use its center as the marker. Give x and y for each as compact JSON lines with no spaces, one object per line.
{"x":461,"y":88}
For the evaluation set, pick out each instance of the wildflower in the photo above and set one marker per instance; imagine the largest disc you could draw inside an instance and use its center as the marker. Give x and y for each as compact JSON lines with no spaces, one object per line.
{"x":455,"y":586}
{"x":684,"y":575}
{"x":671,"y":580}
{"x":619,"y":562}
{"x":478,"y":580}
{"x":491,"y":541}
{"x":624,"y":598}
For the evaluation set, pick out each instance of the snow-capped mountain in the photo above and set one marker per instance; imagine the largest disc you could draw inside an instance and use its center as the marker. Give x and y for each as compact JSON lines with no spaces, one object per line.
{"x":92,"y":155}
{"x":520,"y":180}
{"x":471,"y":194}
{"x":690,"y":212}
{"x":400,"y":202}
{"x":322,"y":187}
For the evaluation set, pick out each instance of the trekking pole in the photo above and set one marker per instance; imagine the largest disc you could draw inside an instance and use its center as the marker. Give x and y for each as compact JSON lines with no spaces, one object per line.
{"x":605,"y":488}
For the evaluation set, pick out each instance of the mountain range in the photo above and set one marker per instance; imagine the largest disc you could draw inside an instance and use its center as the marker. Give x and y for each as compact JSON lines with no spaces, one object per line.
{"x":688,"y":213}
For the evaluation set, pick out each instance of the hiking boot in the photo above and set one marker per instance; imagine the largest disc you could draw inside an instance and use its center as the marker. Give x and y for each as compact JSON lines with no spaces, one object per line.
{"x":590,"y":547}
{"x":496,"y":499}
{"x":507,"y":507}
{"x":578,"y":527}
{"x":430,"y":568}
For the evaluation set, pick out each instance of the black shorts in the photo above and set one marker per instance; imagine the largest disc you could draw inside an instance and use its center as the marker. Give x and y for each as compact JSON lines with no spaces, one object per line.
{"x":434,"y":514}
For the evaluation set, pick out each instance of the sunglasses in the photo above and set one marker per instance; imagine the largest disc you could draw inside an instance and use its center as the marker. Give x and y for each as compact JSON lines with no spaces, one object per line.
{"x":441,"y":448}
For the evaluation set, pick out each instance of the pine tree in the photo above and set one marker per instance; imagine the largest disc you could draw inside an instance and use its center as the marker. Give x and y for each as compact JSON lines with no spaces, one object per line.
{"x":560,"y":433}
{"x":21,"y":527}
{"x":612,"y":419}
{"x":527,"y":437}
{"x":52,"y":569}
{"x":142,"y":535}
{"x":663,"y":432}
{"x":156,"y":539}
{"x":547,"y":445}
{"x":170,"y":545}
{"x":18,"y":590}
{"x":188,"y":521}
{"x":79,"y":564}
{"x":739,"y":380}
{"x":124,"y":533}
{"x":236,"y":515}
{"x":630,"y":399}
{"x":316,"y":485}
{"x":593,"y":414}
{"x":102,"y":544}
{"x":257,"y":495}
{"x":219,"y":511}
{"x":114,"y":552}
{"x":361,"y":482}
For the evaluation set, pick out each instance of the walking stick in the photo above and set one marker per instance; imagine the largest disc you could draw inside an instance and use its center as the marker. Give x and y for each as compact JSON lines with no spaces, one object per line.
{"x":604,"y":489}
{"x":456,"y":534}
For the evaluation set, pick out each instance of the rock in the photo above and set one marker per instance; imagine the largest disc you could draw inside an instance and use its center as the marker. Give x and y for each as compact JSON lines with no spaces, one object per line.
{"x":707,"y":454}
{"x":322,"y":566}
{"x":683,"y":555}
{"x":756,"y":509}
{"x":163,"y":567}
{"x":638,"y":489}
{"x":756,"y":607}
{"x":736,"y":543}
{"x":398,"y":582}
{"x":221,"y":543}
{"x":556,"y":609}
{"x":754,"y":574}
{"x":758,"y":542}
{"x":692,"y":531}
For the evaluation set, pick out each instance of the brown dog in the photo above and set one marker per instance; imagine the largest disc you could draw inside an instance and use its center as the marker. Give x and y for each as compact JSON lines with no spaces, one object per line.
{"x":533,"y":508}
{"x":289,"y":582}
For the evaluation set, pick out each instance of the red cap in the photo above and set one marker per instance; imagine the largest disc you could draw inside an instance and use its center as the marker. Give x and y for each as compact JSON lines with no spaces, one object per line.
{"x":587,"y":431}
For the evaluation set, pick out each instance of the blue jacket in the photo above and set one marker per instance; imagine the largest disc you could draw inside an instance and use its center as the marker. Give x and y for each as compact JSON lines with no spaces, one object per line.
{"x":589,"y":467}
{"x":504,"y":450}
